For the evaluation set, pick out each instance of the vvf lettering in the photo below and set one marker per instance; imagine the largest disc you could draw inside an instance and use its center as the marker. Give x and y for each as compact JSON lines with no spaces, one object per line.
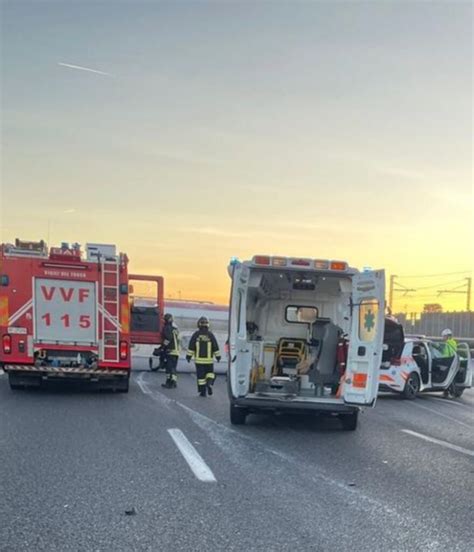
{"x":67,"y":294}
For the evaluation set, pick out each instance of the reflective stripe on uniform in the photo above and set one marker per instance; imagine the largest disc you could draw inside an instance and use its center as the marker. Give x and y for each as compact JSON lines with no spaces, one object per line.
{"x":210,"y":375}
{"x":201,"y":381}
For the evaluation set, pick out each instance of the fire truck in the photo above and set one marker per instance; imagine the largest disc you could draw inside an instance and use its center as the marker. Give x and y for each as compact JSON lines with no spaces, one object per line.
{"x":66,"y":315}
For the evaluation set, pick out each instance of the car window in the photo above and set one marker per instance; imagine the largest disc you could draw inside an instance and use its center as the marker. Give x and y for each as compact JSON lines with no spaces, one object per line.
{"x":301,"y":314}
{"x":435,"y":350}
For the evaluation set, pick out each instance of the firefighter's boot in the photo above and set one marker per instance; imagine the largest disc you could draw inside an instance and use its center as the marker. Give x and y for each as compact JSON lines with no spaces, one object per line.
{"x":167,"y":384}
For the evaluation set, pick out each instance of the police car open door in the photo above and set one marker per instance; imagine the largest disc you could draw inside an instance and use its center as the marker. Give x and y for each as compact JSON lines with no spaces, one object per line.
{"x":361,"y":382}
{"x":240,"y":355}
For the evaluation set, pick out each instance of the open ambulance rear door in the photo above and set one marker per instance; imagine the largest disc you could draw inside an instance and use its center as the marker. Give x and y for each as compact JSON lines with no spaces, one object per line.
{"x":361,"y":380}
{"x":239,"y":350}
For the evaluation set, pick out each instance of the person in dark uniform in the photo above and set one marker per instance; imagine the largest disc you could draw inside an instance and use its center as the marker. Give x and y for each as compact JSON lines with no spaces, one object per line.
{"x":170,"y":346}
{"x":203,"y":348}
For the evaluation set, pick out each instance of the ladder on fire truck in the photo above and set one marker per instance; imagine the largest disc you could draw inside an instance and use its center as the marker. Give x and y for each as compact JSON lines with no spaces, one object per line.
{"x":109,"y":282}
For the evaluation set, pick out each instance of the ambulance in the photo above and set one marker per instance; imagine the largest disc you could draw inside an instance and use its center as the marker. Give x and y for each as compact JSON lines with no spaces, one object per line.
{"x":304,"y":335}
{"x":69,"y":316}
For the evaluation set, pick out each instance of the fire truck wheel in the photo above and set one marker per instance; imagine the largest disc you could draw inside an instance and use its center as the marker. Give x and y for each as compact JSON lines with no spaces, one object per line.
{"x":123,"y":386}
{"x":349,"y":421}
{"x":13,"y":381}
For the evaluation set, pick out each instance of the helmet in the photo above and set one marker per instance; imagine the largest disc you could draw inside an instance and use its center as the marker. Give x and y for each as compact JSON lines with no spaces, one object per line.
{"x":203,"y":322}
{"x":446,"y":333}
{"x":168,"y":318}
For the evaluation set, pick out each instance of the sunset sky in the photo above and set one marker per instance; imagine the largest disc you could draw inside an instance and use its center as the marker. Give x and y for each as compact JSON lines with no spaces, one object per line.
{"x":212,"y":130}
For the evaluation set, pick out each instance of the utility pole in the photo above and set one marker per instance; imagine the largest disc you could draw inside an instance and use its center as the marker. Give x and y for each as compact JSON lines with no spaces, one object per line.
{"x":468,"y":302}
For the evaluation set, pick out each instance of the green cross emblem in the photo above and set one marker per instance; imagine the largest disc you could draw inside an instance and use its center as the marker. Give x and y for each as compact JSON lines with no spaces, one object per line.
{"x":369,"y":321}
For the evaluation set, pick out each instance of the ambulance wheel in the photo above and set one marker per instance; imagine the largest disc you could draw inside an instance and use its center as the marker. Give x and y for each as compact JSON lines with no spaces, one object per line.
{"x":237,"y":415}
{"x":349,"y":421}
{"x":412,"y":387}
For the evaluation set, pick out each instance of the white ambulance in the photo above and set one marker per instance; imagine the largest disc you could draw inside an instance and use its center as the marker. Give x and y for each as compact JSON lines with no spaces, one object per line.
{"x":304,"y":335}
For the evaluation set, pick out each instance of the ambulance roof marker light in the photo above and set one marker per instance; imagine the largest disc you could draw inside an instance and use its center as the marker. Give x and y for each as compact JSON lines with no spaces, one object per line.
{"x":321,"y":264}
{"x":338,"y":265}
{"x":279,"y":261}
{"x":300,"y":262}
{"x":262,"y":260}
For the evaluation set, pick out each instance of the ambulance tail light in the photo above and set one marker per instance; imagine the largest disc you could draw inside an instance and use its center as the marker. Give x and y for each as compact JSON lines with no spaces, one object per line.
{"x":279,"y":261}
{"x":262,"y":260}
{"x":338,"y":265}
{"x":7,"y":344}
{"x":123,"y":350}
{"x":321,"y":265}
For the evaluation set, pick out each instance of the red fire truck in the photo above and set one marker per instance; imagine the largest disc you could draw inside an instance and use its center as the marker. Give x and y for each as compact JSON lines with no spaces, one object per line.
{"x":66,"y":315}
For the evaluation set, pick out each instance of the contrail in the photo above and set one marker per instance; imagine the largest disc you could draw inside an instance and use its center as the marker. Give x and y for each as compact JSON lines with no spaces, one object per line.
{"x":84,"y":69}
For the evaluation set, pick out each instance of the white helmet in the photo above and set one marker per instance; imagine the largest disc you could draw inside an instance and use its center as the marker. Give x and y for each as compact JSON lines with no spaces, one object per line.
{"x":446,"y":333}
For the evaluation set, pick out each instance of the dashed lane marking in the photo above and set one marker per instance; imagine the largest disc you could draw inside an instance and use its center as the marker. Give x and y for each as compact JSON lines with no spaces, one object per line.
{"x":441,"y":414}
{"x":200,"y":469}
{"x":439,"y":442}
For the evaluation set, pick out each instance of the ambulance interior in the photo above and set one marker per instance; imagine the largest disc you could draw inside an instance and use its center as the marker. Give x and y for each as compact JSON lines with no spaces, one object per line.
{"x":297,"y":324}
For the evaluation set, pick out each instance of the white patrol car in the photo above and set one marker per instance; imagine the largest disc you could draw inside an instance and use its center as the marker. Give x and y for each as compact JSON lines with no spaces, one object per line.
{"x":417,"y":364}
{"x":304,"y":335}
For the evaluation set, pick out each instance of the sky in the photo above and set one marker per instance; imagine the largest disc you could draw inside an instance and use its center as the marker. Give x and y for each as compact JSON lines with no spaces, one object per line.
{"x":210,"y":130}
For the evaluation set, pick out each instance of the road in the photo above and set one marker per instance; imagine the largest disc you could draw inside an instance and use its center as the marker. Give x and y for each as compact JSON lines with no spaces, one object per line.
{"x":74,"y":461}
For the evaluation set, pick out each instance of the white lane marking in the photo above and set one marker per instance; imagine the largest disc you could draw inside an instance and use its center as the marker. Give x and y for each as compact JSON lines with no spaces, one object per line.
{"x":441,"y":414}
{"x":159,"y":397}
{"x":200,"y":469}
{"x":235,"y":445}
{"x":439,"y":442}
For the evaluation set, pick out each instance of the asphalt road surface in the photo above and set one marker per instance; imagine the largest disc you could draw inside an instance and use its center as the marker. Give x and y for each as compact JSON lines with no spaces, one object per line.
{"x":163,"y":470}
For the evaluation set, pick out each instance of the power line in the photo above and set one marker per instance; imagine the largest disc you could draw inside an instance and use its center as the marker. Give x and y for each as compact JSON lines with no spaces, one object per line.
{"x":434,"y":275}
{"x":442,"y":285}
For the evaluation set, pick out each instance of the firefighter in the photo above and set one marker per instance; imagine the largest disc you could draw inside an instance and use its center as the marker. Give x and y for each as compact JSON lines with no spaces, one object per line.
{"x":170,"y":345}
{"x":203,"y":348}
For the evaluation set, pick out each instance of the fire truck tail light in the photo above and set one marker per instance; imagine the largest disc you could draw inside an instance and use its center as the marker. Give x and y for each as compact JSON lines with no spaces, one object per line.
{"x":338,"y":265}
{"x":7,"y":344}
{"x":123,"y":350}
{"x":262,"y":260}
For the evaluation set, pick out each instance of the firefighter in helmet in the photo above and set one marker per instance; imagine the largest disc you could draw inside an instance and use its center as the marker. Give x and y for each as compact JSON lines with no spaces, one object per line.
{"x":203,"y":348}
{"x":170,"y":345}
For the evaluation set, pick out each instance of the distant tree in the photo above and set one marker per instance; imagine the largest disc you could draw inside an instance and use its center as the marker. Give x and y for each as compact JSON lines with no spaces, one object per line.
{"x":432,"y":307}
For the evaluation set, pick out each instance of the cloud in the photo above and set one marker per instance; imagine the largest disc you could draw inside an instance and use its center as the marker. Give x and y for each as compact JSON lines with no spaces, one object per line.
{"x":81,"y":68}
{"x":69,"y":211}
